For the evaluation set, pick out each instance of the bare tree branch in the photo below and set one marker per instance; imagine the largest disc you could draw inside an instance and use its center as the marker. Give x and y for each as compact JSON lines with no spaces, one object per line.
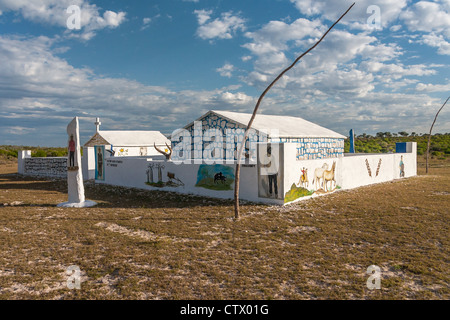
{"x":238,"y":164}
{"x":429,"y":136}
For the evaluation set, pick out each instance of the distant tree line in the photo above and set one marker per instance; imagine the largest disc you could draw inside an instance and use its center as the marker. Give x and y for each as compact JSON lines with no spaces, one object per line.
{"x":384,"y":142}
{"x":12,"y":151}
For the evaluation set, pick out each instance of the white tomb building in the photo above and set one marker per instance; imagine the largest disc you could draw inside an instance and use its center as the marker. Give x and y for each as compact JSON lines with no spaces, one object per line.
{"x":311,"y":140}
{"x":119,"y":143}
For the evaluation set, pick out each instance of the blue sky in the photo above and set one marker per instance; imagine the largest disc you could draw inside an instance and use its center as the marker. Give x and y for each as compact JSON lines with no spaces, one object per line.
{"x":158,"y":65}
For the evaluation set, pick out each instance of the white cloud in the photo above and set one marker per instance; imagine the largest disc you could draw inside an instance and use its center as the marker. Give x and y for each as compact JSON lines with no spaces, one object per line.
{"x":433,"y":19}
{"x":40,"y":90}
{"x":357,"y":17}
{"x":53,"y":12}
{"x":395,"y":28}
{"x":220,"y":28}
{"x":436,"y":41}
{"x":398,"y":70}
{"x":428,"y":17}
{"x":203,"y":16}
{"x":429,"y":87}
{"x":226,"y":70}
{"x":147,"y":20}
{"x":238,"y":98}
{"x":340,"y":82}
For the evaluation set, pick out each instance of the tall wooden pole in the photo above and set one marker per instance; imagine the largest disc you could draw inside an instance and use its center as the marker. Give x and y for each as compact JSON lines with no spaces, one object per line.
{"x":429,"y":136}
{"x":239,"y":154}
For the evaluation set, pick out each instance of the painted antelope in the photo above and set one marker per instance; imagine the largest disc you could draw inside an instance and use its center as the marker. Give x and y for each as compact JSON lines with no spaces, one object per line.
{"x":328,"y":175}
{"x":168,"y":155}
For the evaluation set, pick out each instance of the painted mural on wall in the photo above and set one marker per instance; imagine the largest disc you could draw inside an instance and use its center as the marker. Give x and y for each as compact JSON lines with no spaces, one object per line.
{"x":270,"y":172}
{"x":318,"y":148}
{"x":143,"y":151}
{"x":296,"y":192}
{"x":155,"y":170}
{"x":71,"y":164}
{"x":369,"y":170}
{"x":323,"y":182}
{"x":122,"y":152}
{"x":401,"y":165}
{"x":304,"y":182}
{"x":229,"y":146}
{"x":215,"y":177}
{"x":99,"y":162}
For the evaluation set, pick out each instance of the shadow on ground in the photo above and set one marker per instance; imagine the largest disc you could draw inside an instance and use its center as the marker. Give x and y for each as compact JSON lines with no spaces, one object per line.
{"x":107,"y":196}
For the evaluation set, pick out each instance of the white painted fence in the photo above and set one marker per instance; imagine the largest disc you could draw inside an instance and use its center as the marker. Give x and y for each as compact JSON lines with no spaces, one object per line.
{"x":296,"y":179}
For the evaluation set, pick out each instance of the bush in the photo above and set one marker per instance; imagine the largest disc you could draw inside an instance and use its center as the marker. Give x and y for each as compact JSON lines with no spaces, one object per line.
{"x":436,"y":153}
{"x":39,"y":154}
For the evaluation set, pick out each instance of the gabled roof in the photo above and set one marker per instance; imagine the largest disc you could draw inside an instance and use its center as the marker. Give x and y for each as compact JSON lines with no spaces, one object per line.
{"x":127,"y":138}
{"x":288,"y":127}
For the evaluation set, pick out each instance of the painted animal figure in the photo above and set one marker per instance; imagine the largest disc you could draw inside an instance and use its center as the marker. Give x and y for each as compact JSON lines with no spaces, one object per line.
{"x":304,"y":178}
{"x":171,"y":177}
{"x":168,"y":155}
{"x":318,"y":174}
{"x":328,"y":175}
{"x":219,"y":177}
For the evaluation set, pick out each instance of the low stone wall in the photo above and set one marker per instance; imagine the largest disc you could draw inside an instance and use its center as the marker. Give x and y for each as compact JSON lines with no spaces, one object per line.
{"x":49,"y":167}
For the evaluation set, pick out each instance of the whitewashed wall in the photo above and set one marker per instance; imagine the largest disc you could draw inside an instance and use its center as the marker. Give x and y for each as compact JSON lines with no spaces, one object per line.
{"x":352,"y":170}
{"x":132,"y":172}
{"x":88,"y":163}
{"x":21,"y":156}
{"x":89,"y":156}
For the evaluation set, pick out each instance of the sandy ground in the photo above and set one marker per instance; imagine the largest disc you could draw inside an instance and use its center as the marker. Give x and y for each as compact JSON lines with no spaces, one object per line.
{"x":139,"y":244}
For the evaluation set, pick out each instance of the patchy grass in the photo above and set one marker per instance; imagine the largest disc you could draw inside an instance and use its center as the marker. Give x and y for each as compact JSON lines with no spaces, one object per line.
{"x":157,"y":245}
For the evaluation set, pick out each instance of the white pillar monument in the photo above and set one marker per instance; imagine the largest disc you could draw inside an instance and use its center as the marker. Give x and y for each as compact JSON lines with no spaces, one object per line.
{"x":74,"y":172}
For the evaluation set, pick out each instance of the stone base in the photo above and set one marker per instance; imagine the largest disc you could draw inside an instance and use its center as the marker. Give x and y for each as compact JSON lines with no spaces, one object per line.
{"x":84,"y":204}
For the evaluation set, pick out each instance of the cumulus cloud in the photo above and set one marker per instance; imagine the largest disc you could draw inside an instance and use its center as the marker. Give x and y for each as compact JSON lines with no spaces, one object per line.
{"x":226,"y":70}
{"x":41,"y":91}
{"x":54,"y":12}
{"x":341,"y":78}
{"x":358,"y":15}
{"x":429,"y":87}
{"x":224,"y":27}
{"x":428,"y":16}
{"x":432,"y":19}
{"x":437,"y":41}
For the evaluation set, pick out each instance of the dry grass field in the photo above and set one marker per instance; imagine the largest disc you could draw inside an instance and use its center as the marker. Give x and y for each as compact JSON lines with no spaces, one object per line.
{"x":155,"y":245}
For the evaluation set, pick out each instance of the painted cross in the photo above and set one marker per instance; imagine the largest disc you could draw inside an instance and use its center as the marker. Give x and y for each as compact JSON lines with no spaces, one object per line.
{"x":97,"y":124}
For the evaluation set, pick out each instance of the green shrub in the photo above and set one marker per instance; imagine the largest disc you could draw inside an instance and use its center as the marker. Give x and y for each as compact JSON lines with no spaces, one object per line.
{"x":39,"y":154}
